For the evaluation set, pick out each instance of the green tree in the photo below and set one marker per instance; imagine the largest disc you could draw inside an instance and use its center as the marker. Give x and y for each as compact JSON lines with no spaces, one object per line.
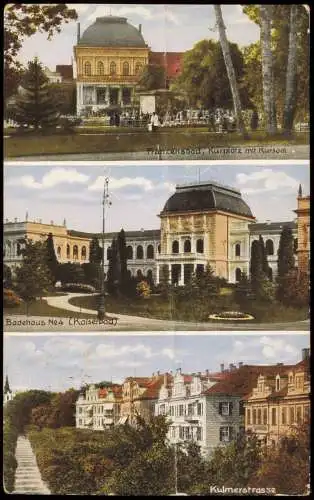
{"x":204,"y":79}
{"x":114,"y":269}
{"x":265,"y":266}
{"x":293,"y":289}
{"x":59,"y":412}
{"x":257,"y":274}
{"x":95,"y":251}
{"x":153,"y":77}
{"x":70,"y":272}
{"x":122,"y":250}
{"x":286,"y":260}
{"x":35,"y":104}
{"x":33,"y":278}
{"x":52,"y":261}
{"x":18,"y":411}
{"x":7,"y":276}
{"x":22,"y":21}
{"x":91,"y":274}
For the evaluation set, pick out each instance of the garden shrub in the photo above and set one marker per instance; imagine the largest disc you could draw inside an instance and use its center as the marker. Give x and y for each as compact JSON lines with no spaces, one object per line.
{"x":10,"y":435}
{"x":10,"y":298}
{"x":78,"y":287}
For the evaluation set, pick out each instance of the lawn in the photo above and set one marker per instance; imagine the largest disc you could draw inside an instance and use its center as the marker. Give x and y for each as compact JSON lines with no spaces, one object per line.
{"x":41,"y":308}
{"x":159,"y":307}
{"x":109,"y":140}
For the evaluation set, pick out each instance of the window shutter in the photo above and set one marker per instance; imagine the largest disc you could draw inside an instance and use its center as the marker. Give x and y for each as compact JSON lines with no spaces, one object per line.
{"x":220,"y":409}
{"x":220,"y":434}
{"x":230,"y":408}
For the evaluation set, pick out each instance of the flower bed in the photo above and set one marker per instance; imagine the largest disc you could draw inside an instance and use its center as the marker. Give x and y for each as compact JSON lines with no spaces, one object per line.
{"x":231,"y":316}
{"x":10,"y":298}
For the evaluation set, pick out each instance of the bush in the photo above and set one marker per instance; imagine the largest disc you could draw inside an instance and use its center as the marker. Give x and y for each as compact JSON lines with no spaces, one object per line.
{"x":143,"y":289}
{"x":78,"y":287}
{"x":10,"y":298}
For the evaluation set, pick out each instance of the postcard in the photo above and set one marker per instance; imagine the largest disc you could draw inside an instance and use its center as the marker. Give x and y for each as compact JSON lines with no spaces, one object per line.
{"x":158,"y":416}
{"x":114,"y":82}
{"x":152,"y":248}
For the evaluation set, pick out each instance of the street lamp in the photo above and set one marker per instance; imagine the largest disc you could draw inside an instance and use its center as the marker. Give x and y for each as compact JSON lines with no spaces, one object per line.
{"x":105,"y":203}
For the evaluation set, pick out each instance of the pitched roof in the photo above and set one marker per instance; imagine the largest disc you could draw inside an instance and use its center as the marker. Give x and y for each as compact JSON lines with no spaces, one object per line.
{"x":104,"y":391}
{"x":271,"y":226}
{"x":240,"y":382}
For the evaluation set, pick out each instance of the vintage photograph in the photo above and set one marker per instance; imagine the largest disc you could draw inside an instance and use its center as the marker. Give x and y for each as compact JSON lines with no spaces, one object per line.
{"x":127,"y":81}
{"x":157,"y":416}
{"x":188,"y":247}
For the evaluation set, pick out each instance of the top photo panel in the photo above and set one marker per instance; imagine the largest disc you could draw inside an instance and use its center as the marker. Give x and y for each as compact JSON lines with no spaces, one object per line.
{"x":156,"y":82}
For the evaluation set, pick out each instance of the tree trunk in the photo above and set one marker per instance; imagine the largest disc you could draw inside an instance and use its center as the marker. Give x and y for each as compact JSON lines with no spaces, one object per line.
{"x":230,"y":70}
{"x":291,"y":76}
{"x":267,"y":70}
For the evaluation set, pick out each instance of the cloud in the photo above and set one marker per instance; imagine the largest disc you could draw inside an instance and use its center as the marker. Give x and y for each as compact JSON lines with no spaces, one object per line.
{"x":125,"y":182}
{"x":266,"y":180}
{"x":53,"y":178}
{"x":134,"y":10}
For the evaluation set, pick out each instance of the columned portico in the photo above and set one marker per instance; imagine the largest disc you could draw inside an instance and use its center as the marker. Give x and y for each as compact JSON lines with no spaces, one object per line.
{"x":100,"y":97}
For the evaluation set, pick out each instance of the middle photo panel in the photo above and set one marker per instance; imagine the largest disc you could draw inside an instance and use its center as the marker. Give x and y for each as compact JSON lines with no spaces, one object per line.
{"x":182,"y":246}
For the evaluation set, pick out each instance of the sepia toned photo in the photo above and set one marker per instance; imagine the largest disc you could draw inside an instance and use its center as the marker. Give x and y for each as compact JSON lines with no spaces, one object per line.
{"x":157,"y":416}
{"x":186,"y":247}
{"x":126,"y":81}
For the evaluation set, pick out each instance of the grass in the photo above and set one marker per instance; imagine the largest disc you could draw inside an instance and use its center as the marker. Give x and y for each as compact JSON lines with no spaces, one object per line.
{"x":159,"y":307}
{"x":41,"y":308}
{"x":131,"y":140}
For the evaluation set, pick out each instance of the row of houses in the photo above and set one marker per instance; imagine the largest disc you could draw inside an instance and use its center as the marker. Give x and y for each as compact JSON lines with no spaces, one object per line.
{"x":210,"y":408}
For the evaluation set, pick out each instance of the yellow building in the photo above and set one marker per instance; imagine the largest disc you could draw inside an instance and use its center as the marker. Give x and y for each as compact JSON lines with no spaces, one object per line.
{"x":109,"y":57}
{"x":280,"y":401}
{"x":204,"y":223}
{"x":303,"y":226}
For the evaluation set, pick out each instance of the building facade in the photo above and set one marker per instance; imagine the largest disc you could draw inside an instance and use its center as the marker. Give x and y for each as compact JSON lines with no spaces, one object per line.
{"x":303,"y":228}
{"x":98,"y":408}
{"x":279,"y":402}
{"x":109,"y":57}
{"x":201,"y":224}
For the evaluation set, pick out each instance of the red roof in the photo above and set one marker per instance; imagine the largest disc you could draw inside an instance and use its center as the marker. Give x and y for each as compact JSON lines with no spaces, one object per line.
{"x":65,"y":70}
{"x":116,"y":389}
{"x":241,"y":381}
{"x":172,"y":61}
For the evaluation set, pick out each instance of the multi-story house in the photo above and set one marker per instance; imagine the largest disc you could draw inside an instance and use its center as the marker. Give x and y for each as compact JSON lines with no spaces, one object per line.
{"x":205,"y":408}
{"x":140,"y":394}
{"x":279,"y":401}
{"x":99,"y":408}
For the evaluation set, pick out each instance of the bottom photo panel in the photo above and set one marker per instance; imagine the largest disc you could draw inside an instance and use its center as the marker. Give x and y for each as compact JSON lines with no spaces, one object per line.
{"x":155,"y":415}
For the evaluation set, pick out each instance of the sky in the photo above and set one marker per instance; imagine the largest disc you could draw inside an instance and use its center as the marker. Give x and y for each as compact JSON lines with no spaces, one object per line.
{"x":174,"y":28}
{"x":59,"y":362}
{"x":139,"y":193}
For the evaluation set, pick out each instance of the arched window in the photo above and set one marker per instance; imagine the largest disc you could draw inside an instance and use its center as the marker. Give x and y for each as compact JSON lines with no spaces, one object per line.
{"x":68,"y":252}
{"x":175,"y":247}
{"x":83,"y":253}
{"x":200,"y":246}
{"x":88,"y":68}
{"x":18,"y":249}
{"x":59,"y":252}
{"x":139,"y":273}
{"x":159,"y":248}
{"x":75,"y":252}
{"x":150,"y":252}
{"x":150,"y":275}
{"x":108,"y":253}
{"x":238,"y":274}
{"x":269,"y":245}
{"x":139,"y":252}
{"x":187,"y":246}
{"x":129,"y":252}
{"x":270,"y":274}
{"x":112,"y":68}
{"x":100,"y":68}
{"x":237,"y":250}
{"x":125,"y":69}
{"x":138,"y":68}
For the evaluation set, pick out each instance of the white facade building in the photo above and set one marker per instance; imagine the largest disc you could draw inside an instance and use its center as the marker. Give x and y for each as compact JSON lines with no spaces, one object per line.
{"x":198,"y":413}
{"x":98,"y":408}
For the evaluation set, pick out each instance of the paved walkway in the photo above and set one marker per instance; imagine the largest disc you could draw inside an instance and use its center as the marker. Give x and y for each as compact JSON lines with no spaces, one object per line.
{"x":27,"y":476}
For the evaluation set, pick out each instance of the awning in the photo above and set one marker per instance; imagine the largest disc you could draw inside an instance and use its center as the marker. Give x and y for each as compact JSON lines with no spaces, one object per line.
{"x":123,"y":420}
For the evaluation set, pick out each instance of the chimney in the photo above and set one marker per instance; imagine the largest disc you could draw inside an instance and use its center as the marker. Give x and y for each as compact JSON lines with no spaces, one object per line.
{"x":305,"y":354}
{"x":158,"y":373}
{"x":179,"y":370}
{"x":78,"y":32}
{"x":207,"y":373}
{"x":140,"y":28}
{"x":222,"y":367}
{"x":240,"y":364}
